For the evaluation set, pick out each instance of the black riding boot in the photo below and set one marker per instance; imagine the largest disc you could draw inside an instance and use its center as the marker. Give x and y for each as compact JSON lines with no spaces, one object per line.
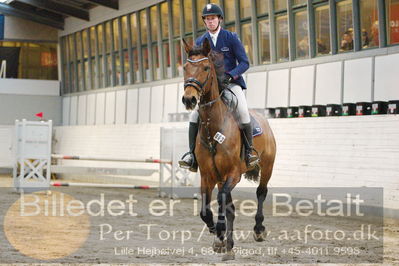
{"x":250,"y":159}
{"x":188,"y":160}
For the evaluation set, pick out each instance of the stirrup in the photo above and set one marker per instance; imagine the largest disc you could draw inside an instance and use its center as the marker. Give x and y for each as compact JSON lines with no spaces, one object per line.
{"x":193,"y":167}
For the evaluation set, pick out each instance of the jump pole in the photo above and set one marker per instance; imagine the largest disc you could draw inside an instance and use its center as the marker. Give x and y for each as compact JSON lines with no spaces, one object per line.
{"x":92,"y":158}
{"x":71,"y":184}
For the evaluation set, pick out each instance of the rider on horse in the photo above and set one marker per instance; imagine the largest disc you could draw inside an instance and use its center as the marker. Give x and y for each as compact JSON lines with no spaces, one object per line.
{"x":225,"y":42}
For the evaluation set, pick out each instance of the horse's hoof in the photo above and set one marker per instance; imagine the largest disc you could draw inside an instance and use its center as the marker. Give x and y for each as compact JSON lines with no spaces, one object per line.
{"x":260,"y":237}
{"x":229,"y":256}
{"x":219,"y":246}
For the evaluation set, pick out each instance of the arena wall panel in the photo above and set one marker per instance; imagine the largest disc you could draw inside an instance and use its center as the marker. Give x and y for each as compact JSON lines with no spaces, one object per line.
{"x":302,"y":86}
{"x":328,"y":83}
{"x":358,"y":80}
{"x":256,"y":93}
{"x":277,"y":88}
{"x":386,"y":78}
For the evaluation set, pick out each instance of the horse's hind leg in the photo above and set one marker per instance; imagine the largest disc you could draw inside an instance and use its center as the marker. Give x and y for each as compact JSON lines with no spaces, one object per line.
{"x":261,"y":193}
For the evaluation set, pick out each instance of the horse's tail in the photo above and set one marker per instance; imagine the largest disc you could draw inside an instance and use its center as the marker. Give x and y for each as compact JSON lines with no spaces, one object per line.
{"x":253,"y":175}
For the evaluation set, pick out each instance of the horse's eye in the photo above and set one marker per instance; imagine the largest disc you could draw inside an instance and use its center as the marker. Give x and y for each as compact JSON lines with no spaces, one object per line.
{"x":207,"y":68}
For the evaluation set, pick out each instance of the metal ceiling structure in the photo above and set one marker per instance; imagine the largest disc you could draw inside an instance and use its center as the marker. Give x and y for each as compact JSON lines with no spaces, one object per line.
{"x":53,"y":12}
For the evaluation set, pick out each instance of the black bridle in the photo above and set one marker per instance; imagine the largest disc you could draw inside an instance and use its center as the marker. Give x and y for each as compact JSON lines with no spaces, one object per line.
{"x":193,"y":82}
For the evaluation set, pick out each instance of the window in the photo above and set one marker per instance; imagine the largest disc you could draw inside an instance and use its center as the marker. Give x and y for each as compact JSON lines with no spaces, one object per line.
{"x":134,"y":32}
{"x":188,"y":16}
{"x":264,"y":41}
{"x":246,"y":32}
{"x":282,"y":38}
{"x":108,"y":44}
{"x":369,"y":23}
{"x":176,"y":17}
{"x":125,"y":53}
{"x":345,"y":26}
{"x":392,"y":21}
{"x":200,"y":6}
{"x":154,"y":38}
{"x":299,"y":2}
{"x":245,"y":9}
{"x":101,"y":55}
{"x":229,"y":11}
{"x":144,"y":48}
{"x":322,"y":21}
{"x":262,"y":7}
{"x":301,"y":34}
{"x":93,"y":50}
{"x":280,"y":4}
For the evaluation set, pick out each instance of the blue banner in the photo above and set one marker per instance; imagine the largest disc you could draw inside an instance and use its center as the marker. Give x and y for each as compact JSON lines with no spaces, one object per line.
{"x":1,"y":27}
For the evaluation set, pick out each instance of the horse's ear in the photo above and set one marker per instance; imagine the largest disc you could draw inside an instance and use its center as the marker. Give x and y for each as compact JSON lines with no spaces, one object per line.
{"x":186,"y":46}
{"x":206,"y":47}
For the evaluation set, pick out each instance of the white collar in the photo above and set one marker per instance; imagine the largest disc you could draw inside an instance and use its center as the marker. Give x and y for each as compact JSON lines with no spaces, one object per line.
{"x":215,"y":35}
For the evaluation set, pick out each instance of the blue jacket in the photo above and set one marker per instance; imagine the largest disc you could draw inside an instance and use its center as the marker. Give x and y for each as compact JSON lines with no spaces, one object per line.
{"x":235,"y":59}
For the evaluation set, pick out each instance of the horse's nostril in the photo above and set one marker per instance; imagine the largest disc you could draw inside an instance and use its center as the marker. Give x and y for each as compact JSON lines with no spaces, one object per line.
{"x":193,"y":100}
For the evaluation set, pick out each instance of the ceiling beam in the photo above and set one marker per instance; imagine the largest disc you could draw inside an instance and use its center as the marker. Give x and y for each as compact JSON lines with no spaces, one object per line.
{"x":59,"y":8}
{"x":114,"y":4}
{"x":11,"y":11}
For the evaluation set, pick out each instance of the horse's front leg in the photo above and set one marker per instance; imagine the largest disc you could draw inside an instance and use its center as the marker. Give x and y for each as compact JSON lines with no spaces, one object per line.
{"x":226,"y":210}
{"x":206,"y":211}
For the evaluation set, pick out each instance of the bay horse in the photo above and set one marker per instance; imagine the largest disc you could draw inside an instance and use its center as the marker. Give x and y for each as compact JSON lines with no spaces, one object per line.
{"x":221,"y":163}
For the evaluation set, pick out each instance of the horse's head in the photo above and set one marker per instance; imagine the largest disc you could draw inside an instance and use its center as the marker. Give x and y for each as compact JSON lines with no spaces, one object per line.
{"x":197,"y":72}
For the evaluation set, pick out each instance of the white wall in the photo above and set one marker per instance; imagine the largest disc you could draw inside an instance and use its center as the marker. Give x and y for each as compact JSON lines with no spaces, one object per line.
{"x":302,"y":86}
{"x":358,"y":80}
{"x":277,"y":88}
{"x":30,"y":87}
{"x":6,"y":135}
{"x":256,"y":92}
{"x":328,"y":83}
{"x":387,"y":77}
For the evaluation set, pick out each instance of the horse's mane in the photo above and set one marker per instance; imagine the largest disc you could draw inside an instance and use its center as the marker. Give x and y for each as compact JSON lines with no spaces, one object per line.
{"x":217,"y":59}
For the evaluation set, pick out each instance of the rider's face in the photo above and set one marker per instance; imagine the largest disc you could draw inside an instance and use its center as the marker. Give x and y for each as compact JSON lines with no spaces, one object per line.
{"x":212,"y":22}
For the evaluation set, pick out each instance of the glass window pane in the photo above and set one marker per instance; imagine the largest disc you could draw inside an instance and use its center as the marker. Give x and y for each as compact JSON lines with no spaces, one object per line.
{"x":94,"y":77}
{"x":345,"y":25}
{"x":369,"y":23}
{"x":101,"y":72}
{"x":87,"y":73}
{"x":136,"y":66}
{"x":280,"y":4}
{"x":93,"y":44}
{"x":127,"y":67}
{"x":156,"y":69}
{"x":133,"y":29}
{"x":245,"y":8}
{"x":78,"y":37}
{"x":264,"y":41}
{"x":246,"y":32}
{"x":108,"y":36}
{"x":164,"y":20}
{"x":200,"y":5}
{"x":116,"y":34}
{"x":146,"y":66}
{"x":282,"y":38}
{"x":393,"y":21}
{"x":143,"y":26}
{"x":80,"y":76}
{"x":109,"y":71}
{"x":301,"y":34}
{"x":71,"y":46}
{"x":231,"y":28}
{"x":262,"y":7}
{"x":154,"y":23}
{"x":100,"y":38}
{"x":299,"y":2}
{"x":229,"y":11}
{"x":178,"y":57}
{"x":124,"y":32}
{"x":118,"y":69}
{"x":188,"y":16}
{"x":322,"y":19}
{"x":73,"y":78}
{"x":85,"y":46}
{"x":166,"y":60}
{"x":176,"y":17}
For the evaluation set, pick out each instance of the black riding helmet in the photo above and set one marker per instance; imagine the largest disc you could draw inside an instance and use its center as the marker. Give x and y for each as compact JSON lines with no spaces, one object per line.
{"x":212,"y":9}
